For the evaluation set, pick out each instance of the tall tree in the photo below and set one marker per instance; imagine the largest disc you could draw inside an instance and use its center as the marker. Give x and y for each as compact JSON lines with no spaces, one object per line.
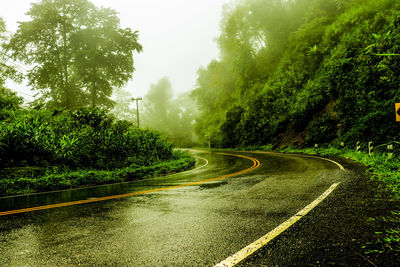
{"x":104,"y":54}
{"x":78,"y":52}
{"x":174,"y":117}
{"x":157,"y":104}
{"x":6,"y":71}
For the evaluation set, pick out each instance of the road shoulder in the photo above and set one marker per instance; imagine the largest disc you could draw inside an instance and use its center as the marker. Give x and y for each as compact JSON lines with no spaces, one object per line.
{"x":337,"y":230}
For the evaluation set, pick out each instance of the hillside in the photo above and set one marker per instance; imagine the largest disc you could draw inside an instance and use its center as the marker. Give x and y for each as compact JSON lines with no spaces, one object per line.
{"x":303,"y":72}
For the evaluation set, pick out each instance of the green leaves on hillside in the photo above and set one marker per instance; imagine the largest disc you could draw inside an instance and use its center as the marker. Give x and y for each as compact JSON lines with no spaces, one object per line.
{"x":331,"y":75}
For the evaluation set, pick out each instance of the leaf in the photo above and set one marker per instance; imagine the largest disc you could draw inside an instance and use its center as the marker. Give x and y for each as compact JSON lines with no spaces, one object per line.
{"x":376,"y":36}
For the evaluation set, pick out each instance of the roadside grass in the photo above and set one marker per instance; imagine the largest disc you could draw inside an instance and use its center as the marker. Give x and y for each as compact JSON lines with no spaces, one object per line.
{"x":24,"y":180}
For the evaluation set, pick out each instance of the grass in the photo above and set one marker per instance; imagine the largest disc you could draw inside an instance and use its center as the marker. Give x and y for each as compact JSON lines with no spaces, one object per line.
{"x":25,"y":180}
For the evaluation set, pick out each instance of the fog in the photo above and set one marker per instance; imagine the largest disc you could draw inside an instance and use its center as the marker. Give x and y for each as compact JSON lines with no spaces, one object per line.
{"x":177,"y":37}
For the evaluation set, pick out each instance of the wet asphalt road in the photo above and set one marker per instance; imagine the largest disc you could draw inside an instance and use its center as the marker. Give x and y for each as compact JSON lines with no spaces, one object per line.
{"x":198,"y":225}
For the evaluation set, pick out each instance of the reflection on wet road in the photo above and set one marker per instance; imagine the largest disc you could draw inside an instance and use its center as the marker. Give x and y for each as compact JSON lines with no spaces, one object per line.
{"x":200,"y":224}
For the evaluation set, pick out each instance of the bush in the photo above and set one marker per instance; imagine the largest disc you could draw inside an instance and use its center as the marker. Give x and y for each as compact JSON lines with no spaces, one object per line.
{"x":86,"y":139}
{"x":320,"y":131}
{"x":27,"y":180}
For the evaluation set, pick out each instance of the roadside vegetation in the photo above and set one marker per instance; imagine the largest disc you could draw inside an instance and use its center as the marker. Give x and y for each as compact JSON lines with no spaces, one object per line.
{"x":75,"y":55}
{"x":296,"y":73}
{"x":51,"y":149}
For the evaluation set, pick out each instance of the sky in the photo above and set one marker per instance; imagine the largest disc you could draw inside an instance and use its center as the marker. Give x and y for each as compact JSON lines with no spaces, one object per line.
{"x":178,"y":36}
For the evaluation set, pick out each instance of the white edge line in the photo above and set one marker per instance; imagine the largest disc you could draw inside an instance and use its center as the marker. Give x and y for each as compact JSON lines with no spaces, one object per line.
{"x":253,"y":247}
{"x":309,"y":156}
{"x":262,"y":241}
{"x":205,"y":164}
{"x":302,"y":155}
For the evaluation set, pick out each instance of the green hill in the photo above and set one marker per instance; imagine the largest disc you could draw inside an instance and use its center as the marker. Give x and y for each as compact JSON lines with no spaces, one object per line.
{"x":303,"y":72}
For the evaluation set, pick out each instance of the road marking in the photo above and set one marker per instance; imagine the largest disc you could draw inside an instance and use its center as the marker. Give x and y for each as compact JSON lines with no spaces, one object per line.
{"x":301,"y":155}
{"x":259,"y":243}
{"x":205,"y":164}
{"x":334,"y":162}
{"x":95,"y":186}
{"x":253,"y":247}
{"x":255,"y":165}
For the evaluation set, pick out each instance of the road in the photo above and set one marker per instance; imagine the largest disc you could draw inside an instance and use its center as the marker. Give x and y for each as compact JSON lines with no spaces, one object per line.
{"x":165,"y":223}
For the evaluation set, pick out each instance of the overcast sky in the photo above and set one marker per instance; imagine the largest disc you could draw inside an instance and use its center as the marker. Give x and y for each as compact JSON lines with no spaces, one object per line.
{"x":177,"y":37}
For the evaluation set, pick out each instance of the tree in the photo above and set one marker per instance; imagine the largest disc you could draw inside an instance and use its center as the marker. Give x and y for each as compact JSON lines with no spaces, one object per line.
{"x":174,"y":117}
{"x":105,"y":55}
{"x":157,"y":103}
{"x":78,"y":52}
{"x":6,"y":71}
{"x":8,"y":98}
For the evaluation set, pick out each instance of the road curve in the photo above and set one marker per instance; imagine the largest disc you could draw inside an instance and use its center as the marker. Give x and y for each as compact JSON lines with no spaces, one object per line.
{"x":199,"y":217}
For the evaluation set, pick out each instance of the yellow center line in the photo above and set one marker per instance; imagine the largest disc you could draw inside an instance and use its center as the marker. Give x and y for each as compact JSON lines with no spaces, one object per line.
{"x":255,"y":165}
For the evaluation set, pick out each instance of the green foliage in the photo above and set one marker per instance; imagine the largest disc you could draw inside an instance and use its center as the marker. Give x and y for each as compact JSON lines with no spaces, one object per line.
{"x":321,"y":130}
{"x":230,"y":135}
{"x":331,"y":75}
{"x":79,"y":52}
{"x":34,"y":179}
{"x":8,"y":101}
{"x":86,"y":138}
{"x":43,"y":150}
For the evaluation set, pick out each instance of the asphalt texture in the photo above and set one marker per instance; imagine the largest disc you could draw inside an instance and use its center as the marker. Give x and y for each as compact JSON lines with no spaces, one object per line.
{"x":198,"y":225}
{"x":337,"y":232}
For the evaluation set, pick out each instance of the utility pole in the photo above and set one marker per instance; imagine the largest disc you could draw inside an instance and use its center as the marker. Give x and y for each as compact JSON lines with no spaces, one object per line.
{"x":137,"y":108}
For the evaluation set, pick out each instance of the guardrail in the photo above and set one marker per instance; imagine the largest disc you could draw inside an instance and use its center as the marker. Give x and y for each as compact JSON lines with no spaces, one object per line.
{"x":391,"y":148}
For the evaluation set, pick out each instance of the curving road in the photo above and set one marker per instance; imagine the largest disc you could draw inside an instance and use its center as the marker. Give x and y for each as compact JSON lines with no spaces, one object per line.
{"x":195,"y":218}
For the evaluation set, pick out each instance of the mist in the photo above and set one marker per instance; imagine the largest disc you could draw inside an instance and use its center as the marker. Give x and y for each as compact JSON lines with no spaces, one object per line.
{"x":172,"y":115}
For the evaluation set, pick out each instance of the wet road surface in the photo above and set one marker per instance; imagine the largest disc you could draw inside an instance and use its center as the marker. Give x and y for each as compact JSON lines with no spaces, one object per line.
{"x":197,"y":225}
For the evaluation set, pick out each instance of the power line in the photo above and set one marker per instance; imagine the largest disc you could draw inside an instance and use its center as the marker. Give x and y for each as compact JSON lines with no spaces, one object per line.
{"x":24,"y":93}
{"x":14,"y":63}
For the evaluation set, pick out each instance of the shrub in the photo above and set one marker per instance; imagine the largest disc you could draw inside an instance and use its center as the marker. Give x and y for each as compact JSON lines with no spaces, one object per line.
{"x":86,"y":138}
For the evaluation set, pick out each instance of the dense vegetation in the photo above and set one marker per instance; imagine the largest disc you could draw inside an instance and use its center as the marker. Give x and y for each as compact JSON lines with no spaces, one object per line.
{"x":302,"y":72}
{"x":77,"y":55}
{"x":53,"y":149}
